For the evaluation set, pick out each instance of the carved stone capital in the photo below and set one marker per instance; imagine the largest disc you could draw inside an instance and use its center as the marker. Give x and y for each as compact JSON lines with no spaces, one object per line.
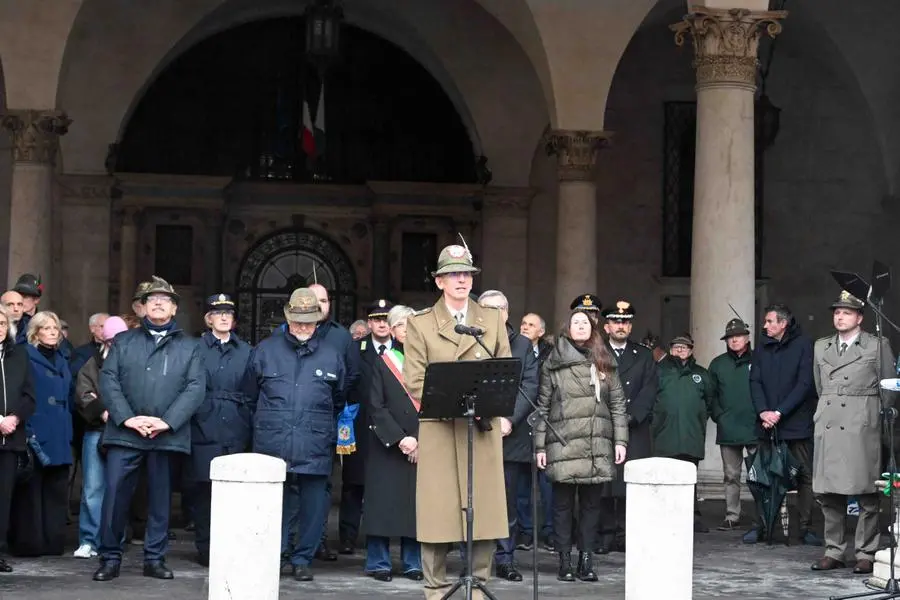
{"x":575,"y":151}
{"x":35,"y":133}
{"x":726,"y":43}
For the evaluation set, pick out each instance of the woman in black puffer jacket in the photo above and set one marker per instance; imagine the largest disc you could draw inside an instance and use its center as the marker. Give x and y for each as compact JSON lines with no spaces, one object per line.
{"x":582,"y":397}
{"x":17,"y":397}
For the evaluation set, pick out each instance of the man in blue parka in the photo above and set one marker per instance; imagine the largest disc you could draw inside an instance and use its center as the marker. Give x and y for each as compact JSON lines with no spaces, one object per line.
{"x":152,"y":383}
{"x":294,"y":382}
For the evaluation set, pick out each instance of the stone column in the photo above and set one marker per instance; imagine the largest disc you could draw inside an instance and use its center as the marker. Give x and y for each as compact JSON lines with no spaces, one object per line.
{"x":504,"y":244}
{"x":576,"y":229}
{"x":723,"y":258}
{"x":381,"y":257}
{"x":35,"y":135}
{"x":128,"y":257}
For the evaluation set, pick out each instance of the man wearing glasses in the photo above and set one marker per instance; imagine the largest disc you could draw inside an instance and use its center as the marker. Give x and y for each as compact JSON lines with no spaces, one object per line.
{"x":152,"y":382}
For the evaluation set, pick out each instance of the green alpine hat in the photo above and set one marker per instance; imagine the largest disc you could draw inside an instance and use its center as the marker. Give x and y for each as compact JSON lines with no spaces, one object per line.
{"x":455,"y":259}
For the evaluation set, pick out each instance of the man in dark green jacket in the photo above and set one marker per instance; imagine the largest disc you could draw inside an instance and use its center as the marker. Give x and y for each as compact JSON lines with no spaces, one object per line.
{"x":683,"y":406}
{"x":733,"y":412}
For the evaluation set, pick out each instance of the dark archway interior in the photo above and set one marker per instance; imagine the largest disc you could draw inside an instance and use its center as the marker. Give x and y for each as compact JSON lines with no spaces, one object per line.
{"x":232,"y":106}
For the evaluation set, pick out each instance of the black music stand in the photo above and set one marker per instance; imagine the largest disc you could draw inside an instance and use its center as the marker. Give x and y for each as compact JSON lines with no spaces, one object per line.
{"x":468,"y":389}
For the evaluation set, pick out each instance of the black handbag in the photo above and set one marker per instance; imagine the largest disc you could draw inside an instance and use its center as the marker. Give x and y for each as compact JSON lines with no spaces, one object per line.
{"x":24,"y":465}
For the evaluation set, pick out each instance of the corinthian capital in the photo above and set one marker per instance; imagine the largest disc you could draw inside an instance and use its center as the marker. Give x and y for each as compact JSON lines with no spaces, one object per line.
{"x":575,"y":151}
{"x":726,"y":42}
{"x":35,"y":133}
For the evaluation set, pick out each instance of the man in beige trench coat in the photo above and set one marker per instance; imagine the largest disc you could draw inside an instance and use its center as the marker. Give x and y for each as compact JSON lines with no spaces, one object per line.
{"x":847,"y":442}
{"x":442,"y":446}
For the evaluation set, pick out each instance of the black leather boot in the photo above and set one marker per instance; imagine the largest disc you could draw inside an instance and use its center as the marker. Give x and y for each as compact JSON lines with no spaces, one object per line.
{"x":566,"y":572}
{"x":586,"y":567}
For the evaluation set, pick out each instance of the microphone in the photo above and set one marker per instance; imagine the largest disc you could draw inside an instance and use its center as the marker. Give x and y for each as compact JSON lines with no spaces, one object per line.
{"x":465,"y":330}
{"x":891,"y":384}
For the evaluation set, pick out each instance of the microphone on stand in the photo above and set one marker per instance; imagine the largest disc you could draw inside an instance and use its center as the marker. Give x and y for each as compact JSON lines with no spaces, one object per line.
{"x":466,"y":330}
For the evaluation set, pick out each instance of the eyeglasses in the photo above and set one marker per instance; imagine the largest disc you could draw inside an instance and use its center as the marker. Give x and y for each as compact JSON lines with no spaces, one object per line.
{"x":4,"y":324}
{"x":161,"y":298}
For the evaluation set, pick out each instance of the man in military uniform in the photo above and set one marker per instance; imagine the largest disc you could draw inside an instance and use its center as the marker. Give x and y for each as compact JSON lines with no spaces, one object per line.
{"x":637,"y":372}
{"x":847,"y":435}
{"x":442,"y":447}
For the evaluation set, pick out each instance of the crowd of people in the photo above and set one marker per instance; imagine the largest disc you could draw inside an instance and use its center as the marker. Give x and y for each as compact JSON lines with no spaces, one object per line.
{"x":145,"y":400}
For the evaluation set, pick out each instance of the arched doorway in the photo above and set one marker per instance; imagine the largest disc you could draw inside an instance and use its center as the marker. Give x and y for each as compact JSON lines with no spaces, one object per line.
{"x":283,"y":262}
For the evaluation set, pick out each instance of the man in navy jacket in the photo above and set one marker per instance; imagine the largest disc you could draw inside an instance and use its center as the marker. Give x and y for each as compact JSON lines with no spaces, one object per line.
{"x":784,"y":396}
{"x":294,"y":381}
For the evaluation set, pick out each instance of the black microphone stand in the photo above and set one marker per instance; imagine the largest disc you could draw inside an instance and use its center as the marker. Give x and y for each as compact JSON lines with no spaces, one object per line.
{"x":891,"y":587}
{"x":533,"y":419}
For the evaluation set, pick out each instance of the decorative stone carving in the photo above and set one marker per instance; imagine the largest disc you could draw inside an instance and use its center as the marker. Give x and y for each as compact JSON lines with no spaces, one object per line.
{"x":35,"y":134}
{"x":576,"y":151}
{"x":726,"y":43}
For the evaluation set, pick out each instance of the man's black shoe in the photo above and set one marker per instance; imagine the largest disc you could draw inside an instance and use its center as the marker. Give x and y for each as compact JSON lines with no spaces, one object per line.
{"x":346,"y":548}
{"x":415,"y":575}
{"x":525,"y":542}
{"x":323,"y":553}
{"x":303,"y":573}
{"x":4,"y":567}
{"x":158,"y":570}
{"x":191,"y":526}
{"x":381,"y":575}
{"x":508,"y":572}
{"x":107,"y":571}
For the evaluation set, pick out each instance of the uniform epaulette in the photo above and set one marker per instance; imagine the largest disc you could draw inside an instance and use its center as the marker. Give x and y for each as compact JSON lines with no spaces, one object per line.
{"x":424,"y":311}
{"x":825,"y":338}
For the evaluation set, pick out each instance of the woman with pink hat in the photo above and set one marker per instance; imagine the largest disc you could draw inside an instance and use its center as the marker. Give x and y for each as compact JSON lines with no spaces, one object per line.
{"x":90,"y":406}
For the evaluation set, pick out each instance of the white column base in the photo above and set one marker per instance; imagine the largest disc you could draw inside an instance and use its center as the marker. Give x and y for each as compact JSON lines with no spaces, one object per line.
{"x":659,"y":518}
{"x":245,"y":553}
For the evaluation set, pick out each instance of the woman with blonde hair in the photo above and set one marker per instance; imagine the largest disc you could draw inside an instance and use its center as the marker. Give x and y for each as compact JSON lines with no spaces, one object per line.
{"x":40,"y":505}
{"x":582,"y":398}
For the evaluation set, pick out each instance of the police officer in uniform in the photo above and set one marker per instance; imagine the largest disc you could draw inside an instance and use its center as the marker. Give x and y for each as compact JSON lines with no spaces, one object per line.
{"x":637,"y":372}
{"x":353,"y":466}
{"x":442,"y":448}
{"x":847,"y":435}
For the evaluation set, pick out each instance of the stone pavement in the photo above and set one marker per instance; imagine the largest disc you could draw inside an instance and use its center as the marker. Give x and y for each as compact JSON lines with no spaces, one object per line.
{"x":723,"y":568}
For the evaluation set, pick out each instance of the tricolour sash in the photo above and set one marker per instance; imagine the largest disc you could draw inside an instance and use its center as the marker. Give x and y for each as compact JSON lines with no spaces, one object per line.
{"x":394,"y":361}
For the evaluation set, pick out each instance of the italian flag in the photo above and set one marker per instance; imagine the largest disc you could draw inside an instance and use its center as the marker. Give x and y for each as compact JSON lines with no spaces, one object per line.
{"x":312,"y":136}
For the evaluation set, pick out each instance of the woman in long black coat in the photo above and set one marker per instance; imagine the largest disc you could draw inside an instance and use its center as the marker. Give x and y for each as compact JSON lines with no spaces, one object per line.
{"x":390,"y":491}
{"x":17,"y":395}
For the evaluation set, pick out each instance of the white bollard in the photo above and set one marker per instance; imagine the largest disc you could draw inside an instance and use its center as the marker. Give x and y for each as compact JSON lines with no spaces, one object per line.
{"x":659,"y":521}
{"x":245,"y":532}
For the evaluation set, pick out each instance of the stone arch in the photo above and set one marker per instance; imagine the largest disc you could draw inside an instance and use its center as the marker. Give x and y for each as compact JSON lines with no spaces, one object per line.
{"x":105,"y":68}
{"x":264,"y":282}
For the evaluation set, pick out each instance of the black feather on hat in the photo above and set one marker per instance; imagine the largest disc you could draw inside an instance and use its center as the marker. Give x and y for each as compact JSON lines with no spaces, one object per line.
{"x":29,"y":285}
